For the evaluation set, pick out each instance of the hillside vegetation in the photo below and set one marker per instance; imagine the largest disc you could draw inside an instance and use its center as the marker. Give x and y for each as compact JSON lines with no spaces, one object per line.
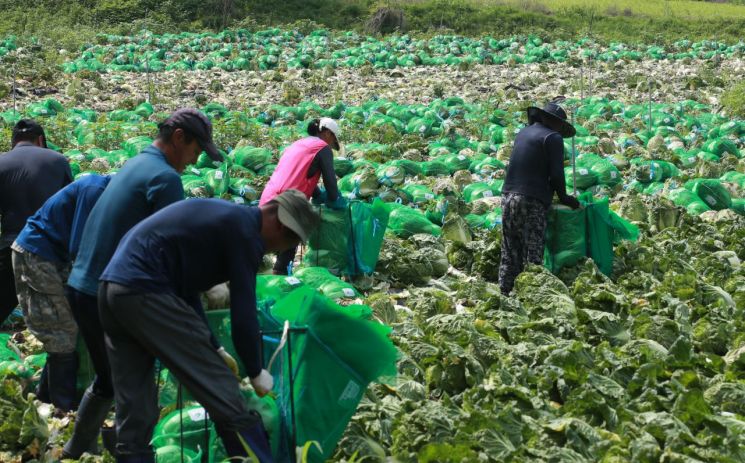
{"x":72,"y":23}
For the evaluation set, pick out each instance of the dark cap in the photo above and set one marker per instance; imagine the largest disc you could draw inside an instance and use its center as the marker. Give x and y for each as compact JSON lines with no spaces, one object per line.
{"x":296,"y":213}
{"x":197,"y":124}
{"x":26,"y":128}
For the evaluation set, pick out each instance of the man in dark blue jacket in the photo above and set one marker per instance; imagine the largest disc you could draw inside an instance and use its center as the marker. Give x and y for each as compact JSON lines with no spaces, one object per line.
{"x":150,"y":309}
{"x":535,"y":172}
{"x":146,"y":183}
{"x":42,"y":254}
{"x":29,"y":174}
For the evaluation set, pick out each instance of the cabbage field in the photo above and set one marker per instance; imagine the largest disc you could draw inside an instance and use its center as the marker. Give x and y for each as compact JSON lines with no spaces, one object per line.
{"x":643,"y":361}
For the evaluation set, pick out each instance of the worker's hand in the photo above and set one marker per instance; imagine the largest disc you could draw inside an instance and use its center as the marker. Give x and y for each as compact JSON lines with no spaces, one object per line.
{"x":572,"y":202}
{"x":229,"y":361}
{"x":263,"y":383}
{"x":338,"y":205}
{"x":320,"y":198}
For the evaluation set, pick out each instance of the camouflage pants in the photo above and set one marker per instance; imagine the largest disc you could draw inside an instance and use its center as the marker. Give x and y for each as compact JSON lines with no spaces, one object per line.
{"x":523,"y":233}
{"x":40,"y":285}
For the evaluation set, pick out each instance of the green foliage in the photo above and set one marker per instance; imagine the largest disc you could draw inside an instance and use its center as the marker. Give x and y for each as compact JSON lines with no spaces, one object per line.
{"x":733,"y":99}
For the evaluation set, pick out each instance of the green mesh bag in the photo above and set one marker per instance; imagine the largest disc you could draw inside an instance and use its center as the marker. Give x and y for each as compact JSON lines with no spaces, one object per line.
{"x":326,"y":283}
{"x":334,"y":361}
{"x":328,"y":245}
{"x":405,"y":221}
{"x":599,"y":233}
{"x":566,"y":241}
{"x":369,"y":222}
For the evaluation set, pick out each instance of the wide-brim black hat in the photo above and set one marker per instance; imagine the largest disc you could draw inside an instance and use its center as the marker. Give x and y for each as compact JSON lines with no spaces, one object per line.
{"x":555,"y":112}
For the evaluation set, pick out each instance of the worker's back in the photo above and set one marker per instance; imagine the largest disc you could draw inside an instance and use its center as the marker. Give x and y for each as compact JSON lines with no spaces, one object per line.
{"x":29,"y":175}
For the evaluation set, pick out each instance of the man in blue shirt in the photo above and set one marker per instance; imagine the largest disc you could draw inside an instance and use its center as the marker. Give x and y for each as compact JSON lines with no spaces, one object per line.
{"x":42,"y":254}
{"x":149,"y":299}
{"x":534,"y":174}
{"x":146,"y":183}
{"x":29,"y":174}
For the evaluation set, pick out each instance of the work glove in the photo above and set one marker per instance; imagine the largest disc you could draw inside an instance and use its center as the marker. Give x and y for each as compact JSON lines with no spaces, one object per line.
{"x":338,"y":205}
{"x":320,"y":198}
{"x":229,"y":361}
{"x":572,"y":202}
{"x":263,"y":383}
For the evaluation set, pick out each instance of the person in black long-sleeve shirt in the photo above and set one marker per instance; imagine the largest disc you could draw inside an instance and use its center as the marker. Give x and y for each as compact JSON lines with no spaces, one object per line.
{"x":149,"y":307}
{"x":535,"y":172}
{"x":29,"y":175}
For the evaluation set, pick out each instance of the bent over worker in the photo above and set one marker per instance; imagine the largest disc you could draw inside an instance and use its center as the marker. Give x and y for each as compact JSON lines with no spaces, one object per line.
{"x":42,"y":254}
{"x":29,"y":174}
{"x":301,"y":166}
{"x":150,"y":308}
{"x":535,"y":172}
{"x":146,"y":183}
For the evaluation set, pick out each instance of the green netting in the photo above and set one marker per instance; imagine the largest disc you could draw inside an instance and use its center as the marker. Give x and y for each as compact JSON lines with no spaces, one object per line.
{"x":688,"y":199}
{"x":218,"y":180}
{"x":418,"y":193}
{"x":479,"y":190}
{"x":271,"y":288}
{"x":369,"y":223}
{"x":326,"y":283}
{"x":599,"y":233}
{"x":566,"y":233}
{"x":390,"y":175}
{"x":334,"y":362}
{"x":252,"y":158}
{"x":713,"y":193}
{"x":738,"y":205}
{"x":405,"y":221}
{"x":328,"y":245}
{"x":585,"y":178}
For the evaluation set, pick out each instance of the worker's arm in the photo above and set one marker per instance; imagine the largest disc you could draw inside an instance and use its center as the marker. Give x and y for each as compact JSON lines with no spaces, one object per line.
{"x":244,"y":322}
{"x":324,"y":161}
{"x":164,"y":190}
{"x":554,"y":149}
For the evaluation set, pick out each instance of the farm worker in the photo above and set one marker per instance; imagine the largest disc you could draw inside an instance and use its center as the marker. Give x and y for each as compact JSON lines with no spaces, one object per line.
{"x":146,"y":183}
{"x":535,"y":172}
{"x":300,"y":167}
{"x":29,"y":174}
{"x":150,"y":309}
{"x":42,"y":254}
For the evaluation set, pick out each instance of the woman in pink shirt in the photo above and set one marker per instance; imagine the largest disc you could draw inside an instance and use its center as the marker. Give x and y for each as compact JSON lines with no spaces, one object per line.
{"x":301,"y":166}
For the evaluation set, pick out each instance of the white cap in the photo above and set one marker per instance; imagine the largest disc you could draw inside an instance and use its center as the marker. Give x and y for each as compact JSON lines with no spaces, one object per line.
{"x":328,"y":123}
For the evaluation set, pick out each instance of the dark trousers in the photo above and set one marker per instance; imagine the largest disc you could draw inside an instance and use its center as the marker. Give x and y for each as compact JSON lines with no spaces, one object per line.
{"x":142,"y":327}
{"x":283,"y":261}
{"x":8,"y":299}
{"x":85,"y":310}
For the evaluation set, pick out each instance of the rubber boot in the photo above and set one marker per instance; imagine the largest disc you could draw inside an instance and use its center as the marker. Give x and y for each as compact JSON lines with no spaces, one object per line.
{"x":42,"y":390}
{"x":63,"y":370}
{"x":256,"y":438}
{"x":91,"y":415}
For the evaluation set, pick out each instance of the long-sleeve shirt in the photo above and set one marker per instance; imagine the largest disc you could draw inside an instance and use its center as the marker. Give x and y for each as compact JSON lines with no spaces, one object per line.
{"x":536,"y":166}
{"x":146,"y":184}
{"x":29,"y":175}
{"x":54,"y":232}
{"x":324,"y":161}
{"x":191,"y":246}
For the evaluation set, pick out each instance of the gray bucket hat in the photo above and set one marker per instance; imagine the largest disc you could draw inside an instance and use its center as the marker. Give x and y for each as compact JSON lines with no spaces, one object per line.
{"x":297,"y":214}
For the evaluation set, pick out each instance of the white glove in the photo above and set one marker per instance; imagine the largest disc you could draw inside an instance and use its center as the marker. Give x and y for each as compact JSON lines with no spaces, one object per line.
{"x":229,"y":361}
{"x":263,"y":383}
